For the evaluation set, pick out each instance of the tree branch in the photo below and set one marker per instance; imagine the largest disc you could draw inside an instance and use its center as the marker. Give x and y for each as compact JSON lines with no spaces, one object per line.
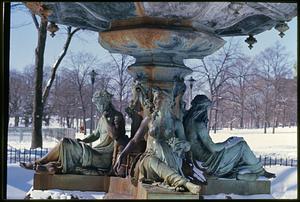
{"x":57,"y":63}
{"x":35,"y":21}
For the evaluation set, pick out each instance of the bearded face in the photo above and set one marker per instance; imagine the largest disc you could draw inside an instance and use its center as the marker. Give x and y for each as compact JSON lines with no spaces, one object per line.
{"x":102,"y":100}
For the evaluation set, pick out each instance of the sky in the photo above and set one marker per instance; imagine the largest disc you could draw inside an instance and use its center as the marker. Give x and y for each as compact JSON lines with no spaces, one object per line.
{"x":23,"y":41}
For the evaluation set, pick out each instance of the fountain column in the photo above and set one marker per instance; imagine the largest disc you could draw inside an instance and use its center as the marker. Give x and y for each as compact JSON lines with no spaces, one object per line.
{"x":159,"y":51}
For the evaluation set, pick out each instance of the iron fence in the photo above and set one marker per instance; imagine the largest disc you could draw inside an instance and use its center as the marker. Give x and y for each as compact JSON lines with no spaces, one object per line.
{"x":269,"y":161}
{"x":15,"y":155}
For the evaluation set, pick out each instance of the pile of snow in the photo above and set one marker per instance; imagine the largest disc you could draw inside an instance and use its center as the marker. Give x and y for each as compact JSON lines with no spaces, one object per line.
{"x":60,"y":194}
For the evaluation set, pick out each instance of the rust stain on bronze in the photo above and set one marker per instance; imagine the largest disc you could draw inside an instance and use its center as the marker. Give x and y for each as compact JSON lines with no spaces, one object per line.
{"x":150,"y":71}
{"x":143,"y":37}
{"x":160,"y":84}
{"x":147,"y":20}
{"x":140,"y":11}
{"x":38,"y":8}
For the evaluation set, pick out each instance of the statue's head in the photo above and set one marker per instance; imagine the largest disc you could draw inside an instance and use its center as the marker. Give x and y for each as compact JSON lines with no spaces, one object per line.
{"x":201,"y":100}
{"x":160,"y":98}
{"x":179,"y":89}
{"x":102,"y":99}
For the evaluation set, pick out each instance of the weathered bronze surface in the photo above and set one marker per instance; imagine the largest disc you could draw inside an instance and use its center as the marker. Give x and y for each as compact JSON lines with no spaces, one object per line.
{"x":232,"y":158}
{"x":218,"y":17}
{"x":71,"y":182}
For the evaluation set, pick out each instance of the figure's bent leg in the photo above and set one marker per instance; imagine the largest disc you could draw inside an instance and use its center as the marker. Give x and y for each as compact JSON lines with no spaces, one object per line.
{"x":250,"y":159}
{"x":248,"y":156}
{"x":154,"y":165}
{"x":50,"y":168}
{"x":52,"y":155}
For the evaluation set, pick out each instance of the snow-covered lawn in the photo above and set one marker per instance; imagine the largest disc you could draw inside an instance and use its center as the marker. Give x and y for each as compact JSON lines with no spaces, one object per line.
{"x":281,"y":144}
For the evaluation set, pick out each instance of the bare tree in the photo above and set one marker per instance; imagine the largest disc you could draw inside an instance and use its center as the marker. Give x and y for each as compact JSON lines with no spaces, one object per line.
{"x":37,"y":139}
{"x":79,"y":66}
{"x":120,"y":79}
{"x":41,"y":95}
{"x":273,"y":64}
{"x":16,"y":89}
{"x":70,"y":34}
{"x":216,"y":71}
{"x":239,"y":85}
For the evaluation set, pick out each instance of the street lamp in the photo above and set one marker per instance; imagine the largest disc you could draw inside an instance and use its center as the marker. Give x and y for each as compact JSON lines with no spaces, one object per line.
{"x":93,"y":75}
{"x":191,"y":80}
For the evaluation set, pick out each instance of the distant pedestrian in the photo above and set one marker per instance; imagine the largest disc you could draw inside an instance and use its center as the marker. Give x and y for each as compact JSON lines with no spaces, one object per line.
{"x":81,"y":129}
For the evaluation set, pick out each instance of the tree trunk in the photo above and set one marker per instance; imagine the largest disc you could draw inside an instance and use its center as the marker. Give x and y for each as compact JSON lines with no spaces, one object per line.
{"x":274,"y":124}
{"x":37,"y":115}
{"x":216,"y":118}
{"x":209,"y":120}
{"x":77,"y":124}
{"x":257,"y":122}
{"x":265,"y":127}
{"x":283,"y":121}
{"x":17,"y":118}
{"x":47,"y":120}
{"x":242,"y":116}
{"x":68,"y":122}
{"x":26,"y":121}
{"x":57,"y":63}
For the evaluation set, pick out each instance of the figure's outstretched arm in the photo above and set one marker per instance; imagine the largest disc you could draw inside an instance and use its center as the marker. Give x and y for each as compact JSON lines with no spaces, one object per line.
{"x":91,"y":137}
{"x":139,"y":135}
{"x":202,"y":133}
{"x":116,"y":129}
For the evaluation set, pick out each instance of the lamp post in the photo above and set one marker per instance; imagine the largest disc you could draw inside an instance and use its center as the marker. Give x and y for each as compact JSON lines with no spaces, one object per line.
{"x":93,"y":75}
{"x":191,"y":80}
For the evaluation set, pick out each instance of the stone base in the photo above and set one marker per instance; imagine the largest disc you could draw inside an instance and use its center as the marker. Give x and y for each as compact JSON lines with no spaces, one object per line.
{"x":146,"y":191}
{"x":121,"y":188}
{"x":71,"y":182}
{"x":240,"y":187}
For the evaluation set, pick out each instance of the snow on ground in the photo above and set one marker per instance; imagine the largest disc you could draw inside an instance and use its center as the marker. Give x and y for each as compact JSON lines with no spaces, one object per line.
{"x":282,"y":144}
{"x":48,"y":142}
{"x":284,"y":186}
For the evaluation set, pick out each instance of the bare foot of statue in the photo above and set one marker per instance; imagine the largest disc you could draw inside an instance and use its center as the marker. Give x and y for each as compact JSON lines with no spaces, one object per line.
{"x":50,"y":168}
{"x":28,"y":165}
{"x":269,"y":175}
{"x":195,"y":189}
{"x":122,"y":171}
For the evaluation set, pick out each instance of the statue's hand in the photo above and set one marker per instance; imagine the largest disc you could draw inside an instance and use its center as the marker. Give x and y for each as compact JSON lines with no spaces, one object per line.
{"x":117,"y":165}
{"x":117,"y":121}
{"x":129,"y":111}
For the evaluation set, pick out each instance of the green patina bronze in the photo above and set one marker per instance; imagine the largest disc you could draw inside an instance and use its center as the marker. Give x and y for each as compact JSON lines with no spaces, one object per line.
{"x":77,"y":156}
{"x":232,"y":158}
